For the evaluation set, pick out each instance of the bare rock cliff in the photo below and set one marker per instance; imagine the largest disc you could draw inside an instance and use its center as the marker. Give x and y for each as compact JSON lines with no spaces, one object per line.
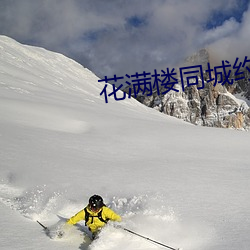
{"x":214,"y":106}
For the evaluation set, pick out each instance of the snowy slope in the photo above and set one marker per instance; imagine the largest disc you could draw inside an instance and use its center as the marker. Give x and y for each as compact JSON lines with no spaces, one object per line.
{"x":176,"y":183}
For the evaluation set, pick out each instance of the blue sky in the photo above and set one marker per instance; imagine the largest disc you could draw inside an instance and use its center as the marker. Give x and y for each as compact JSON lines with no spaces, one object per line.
{"x":218,"y":17}
{"x":123,"y":37}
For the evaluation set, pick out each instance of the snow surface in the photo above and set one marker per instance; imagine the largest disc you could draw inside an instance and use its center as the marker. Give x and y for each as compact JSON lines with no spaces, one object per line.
{"x":182,"y":185}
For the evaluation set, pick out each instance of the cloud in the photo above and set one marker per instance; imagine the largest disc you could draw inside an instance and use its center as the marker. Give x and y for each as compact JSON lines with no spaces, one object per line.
{"x":233,"y":43}
{"x":229,"y":27}
{"x":118,"y":37}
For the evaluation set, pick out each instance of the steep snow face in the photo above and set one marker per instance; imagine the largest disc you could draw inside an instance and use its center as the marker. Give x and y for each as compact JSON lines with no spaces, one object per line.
{"x":179,"y":184}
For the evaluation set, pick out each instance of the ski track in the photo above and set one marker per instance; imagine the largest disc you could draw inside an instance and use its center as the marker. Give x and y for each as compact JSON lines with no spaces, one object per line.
{"x":139,"y":215}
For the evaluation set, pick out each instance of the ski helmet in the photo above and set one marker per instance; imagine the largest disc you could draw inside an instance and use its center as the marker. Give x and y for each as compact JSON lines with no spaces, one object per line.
{"x":95,"y":202}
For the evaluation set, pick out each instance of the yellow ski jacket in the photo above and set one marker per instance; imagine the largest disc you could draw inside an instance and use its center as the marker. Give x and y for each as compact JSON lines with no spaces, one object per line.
{"x":94,"y":223}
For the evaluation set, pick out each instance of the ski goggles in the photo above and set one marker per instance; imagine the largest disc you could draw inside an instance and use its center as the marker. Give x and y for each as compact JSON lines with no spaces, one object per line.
{"x":94,"y":208}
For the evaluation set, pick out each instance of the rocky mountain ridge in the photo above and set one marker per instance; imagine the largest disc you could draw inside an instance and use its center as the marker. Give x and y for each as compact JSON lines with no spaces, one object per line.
{"x":224,"y":106}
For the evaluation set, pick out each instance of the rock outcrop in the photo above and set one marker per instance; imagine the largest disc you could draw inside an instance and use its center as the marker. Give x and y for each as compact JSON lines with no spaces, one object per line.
{"x":213,"y":106}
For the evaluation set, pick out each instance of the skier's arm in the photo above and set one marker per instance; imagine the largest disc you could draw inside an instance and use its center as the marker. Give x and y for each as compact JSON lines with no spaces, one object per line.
{"x":110,"y":214}
{"x":77,"y":217}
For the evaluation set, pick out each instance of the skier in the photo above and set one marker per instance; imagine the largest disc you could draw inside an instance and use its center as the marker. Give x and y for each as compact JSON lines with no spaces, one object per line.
{"x":95,"y":214}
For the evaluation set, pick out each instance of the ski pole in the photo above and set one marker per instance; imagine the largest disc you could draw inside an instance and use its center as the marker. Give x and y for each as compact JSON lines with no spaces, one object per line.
{"x":45,"y":228}
{"x":150,"y":239}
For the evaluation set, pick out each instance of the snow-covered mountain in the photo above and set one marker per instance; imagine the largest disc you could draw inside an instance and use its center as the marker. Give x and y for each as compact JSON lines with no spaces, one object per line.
{"x":179,"y":184}
{"x":224,"y":106}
